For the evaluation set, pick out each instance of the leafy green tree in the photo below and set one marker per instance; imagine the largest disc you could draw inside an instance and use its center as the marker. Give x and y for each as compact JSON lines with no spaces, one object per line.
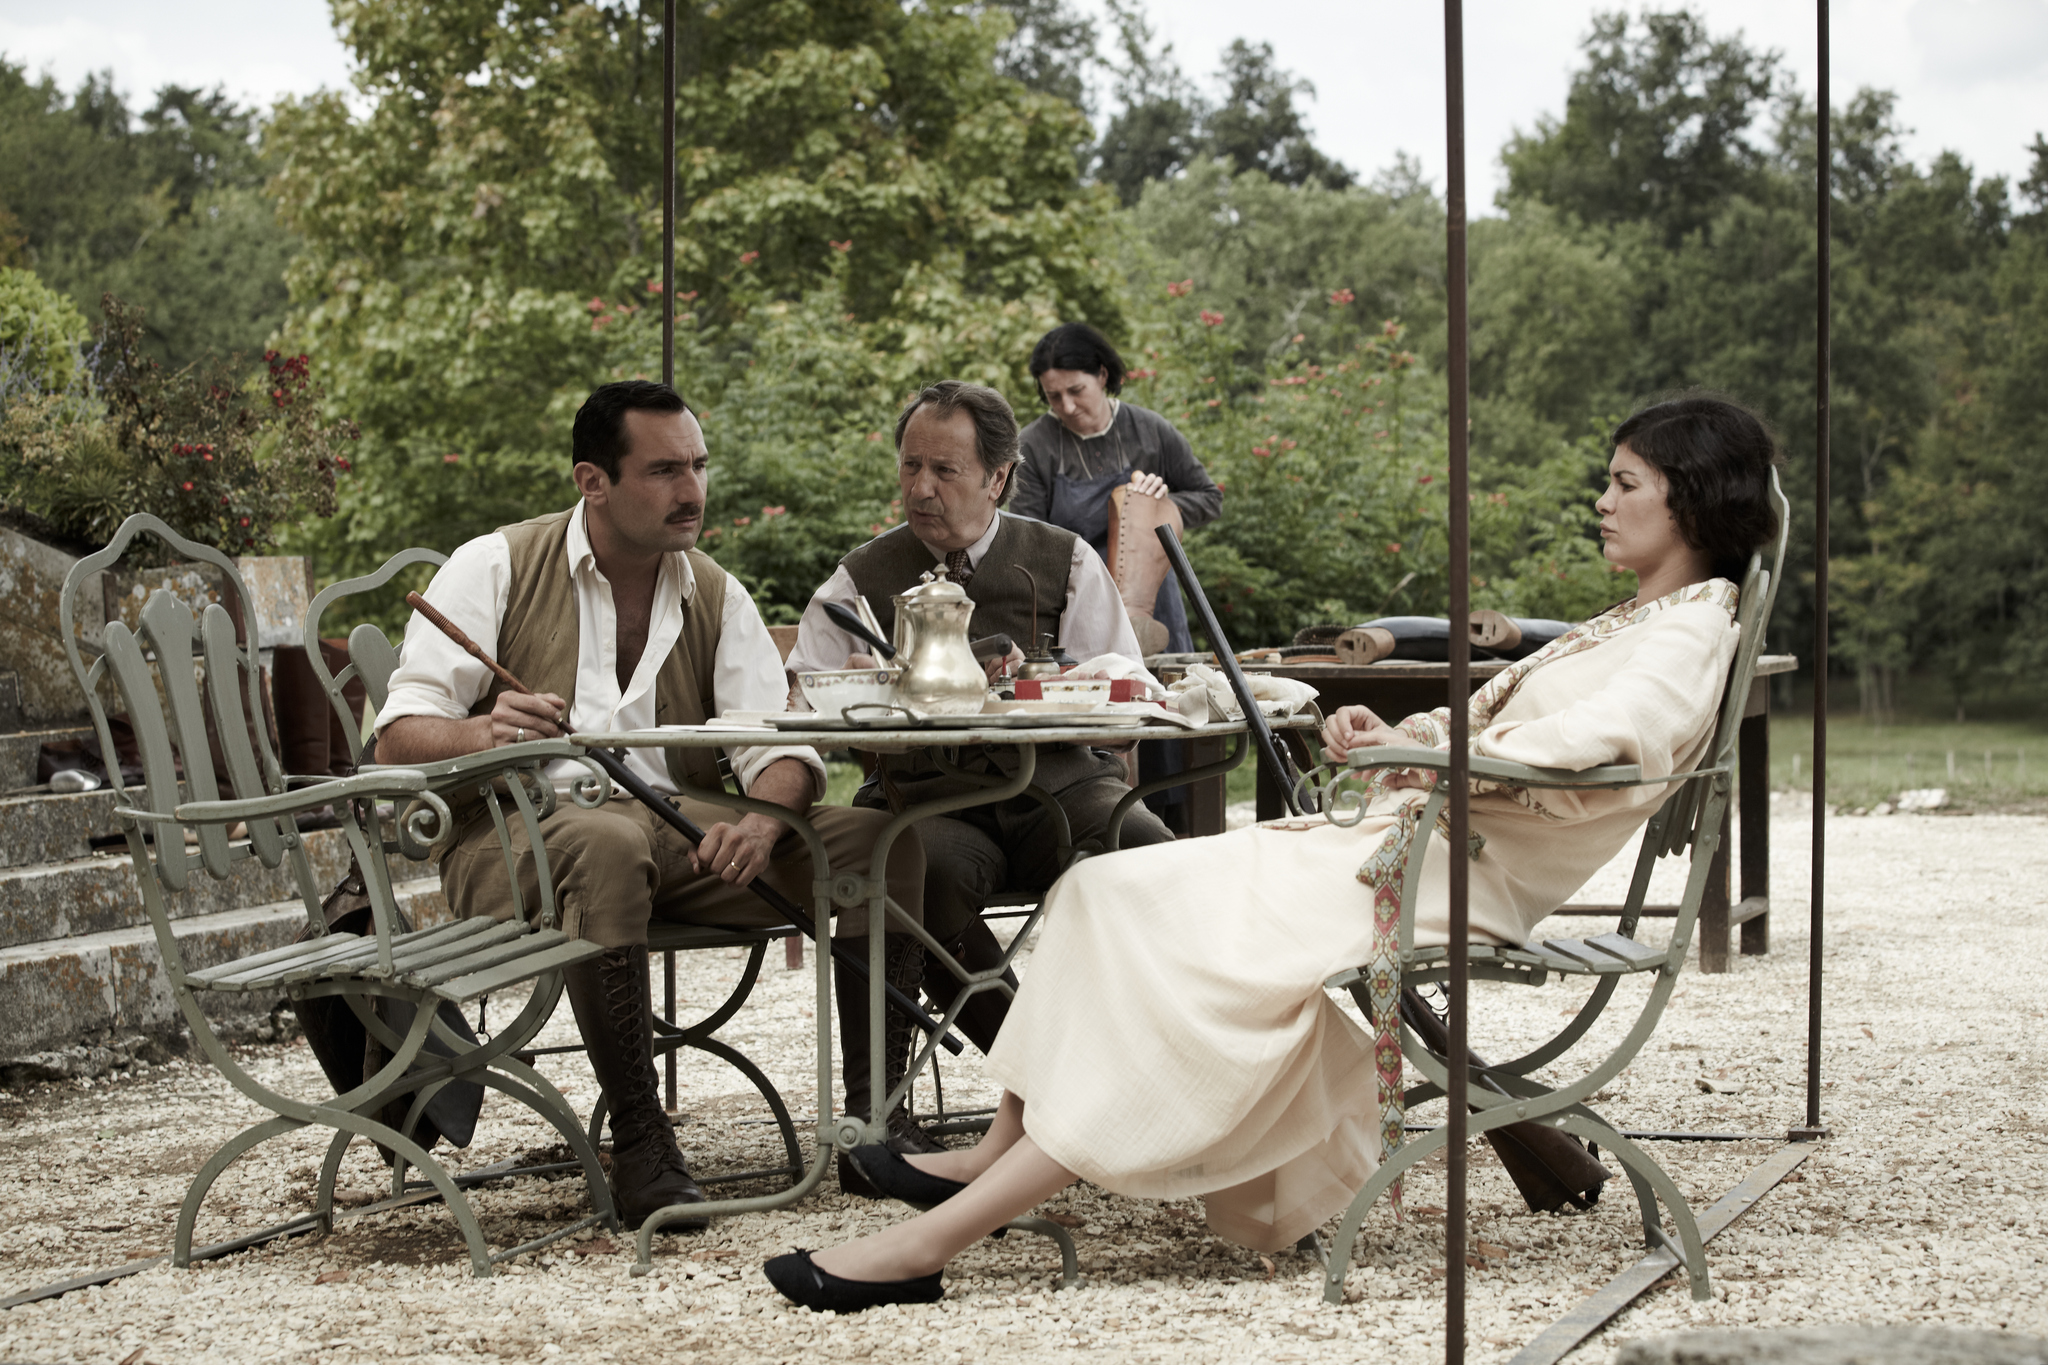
{"x":1166,"y":123}
{"x":1258,"y":128}
{"x":163,"y":208}
{"x":1332,"y":466}
{"x":1268,"y":255}
{"x":1051,"y":50}
{"x":40,"y":335}
{"x":482,"y":242}
{"x":1552,"y":316}
{"x":1656,"y":127}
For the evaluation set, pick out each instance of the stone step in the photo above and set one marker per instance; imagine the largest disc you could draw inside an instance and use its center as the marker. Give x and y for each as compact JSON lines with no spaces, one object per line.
{"x":53,"y":993}
{"x":98,"y":894}
{"x":44,"y":827}
{"x":19,"y":751}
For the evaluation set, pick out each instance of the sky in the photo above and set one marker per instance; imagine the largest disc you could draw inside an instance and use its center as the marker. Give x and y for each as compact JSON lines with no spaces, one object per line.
{"x":1971,"y":75}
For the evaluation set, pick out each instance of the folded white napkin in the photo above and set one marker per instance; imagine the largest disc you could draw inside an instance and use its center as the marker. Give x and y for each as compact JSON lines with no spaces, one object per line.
{"x":1117,"y":666}
{"x":1208,"y":689}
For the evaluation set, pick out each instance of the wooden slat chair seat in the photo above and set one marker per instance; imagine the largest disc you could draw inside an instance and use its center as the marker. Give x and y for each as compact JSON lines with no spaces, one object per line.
{"x":180,"y":713}
{"x":1688,"y":822}
{"x":373,"y":659}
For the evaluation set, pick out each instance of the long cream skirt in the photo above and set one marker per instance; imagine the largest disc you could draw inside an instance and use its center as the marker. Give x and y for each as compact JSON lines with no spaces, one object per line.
{"x":1173,"y":1037}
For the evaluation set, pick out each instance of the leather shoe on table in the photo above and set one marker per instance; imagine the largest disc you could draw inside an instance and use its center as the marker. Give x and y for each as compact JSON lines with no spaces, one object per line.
{"x":805,"y":1283}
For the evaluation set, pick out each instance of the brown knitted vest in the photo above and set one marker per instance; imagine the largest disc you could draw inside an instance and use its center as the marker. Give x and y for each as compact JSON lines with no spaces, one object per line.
{"x":891,"y":563}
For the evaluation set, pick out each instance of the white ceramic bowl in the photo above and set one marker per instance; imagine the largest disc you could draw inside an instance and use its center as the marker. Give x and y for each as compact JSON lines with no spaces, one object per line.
{"x":833,"y":690}
{"x":1082,"y":691}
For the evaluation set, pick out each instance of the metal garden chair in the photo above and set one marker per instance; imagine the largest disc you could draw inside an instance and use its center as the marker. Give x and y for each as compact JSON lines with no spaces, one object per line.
{"x":1690,"y":822}
{"x":373,"y":660}
{"x":184,"y":678}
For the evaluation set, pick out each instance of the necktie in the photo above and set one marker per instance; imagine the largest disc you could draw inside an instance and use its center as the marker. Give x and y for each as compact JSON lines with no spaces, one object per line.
{"x":957,"y":567}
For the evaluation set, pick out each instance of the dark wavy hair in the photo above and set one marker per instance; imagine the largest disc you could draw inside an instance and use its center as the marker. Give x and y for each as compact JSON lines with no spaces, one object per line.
{"x":1716,"y":457}
{"x":1077,"y":346}
{"x":599,"y":436}
{"x":995,"y":426}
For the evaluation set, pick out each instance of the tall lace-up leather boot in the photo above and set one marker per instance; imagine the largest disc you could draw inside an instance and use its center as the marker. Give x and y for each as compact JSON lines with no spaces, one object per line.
{"x":614,"y":1011}
{"x":982,"y":1017}
{"x":903,"y":962}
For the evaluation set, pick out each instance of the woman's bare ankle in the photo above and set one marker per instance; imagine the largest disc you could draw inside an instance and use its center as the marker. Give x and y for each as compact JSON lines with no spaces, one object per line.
{"x":870,"y":1259}
{"x":960,"y":1166}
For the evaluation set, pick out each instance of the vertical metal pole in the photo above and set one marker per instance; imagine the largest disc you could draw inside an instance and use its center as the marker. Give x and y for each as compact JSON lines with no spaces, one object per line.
{"x":1823,"y":367}
{"x":668,"y":192}
{"x":1459,"y":986}
{"x":668,"y":1012}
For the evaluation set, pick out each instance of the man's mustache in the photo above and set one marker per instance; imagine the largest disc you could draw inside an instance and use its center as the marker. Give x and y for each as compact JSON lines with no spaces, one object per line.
{"x":693,"y":511}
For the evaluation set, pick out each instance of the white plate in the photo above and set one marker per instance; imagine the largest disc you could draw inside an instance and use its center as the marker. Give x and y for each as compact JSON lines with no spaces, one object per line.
{"x":1012,"y":720}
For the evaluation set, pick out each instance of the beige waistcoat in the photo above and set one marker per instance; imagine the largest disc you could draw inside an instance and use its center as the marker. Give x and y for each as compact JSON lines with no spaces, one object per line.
{"x":537,"y":639}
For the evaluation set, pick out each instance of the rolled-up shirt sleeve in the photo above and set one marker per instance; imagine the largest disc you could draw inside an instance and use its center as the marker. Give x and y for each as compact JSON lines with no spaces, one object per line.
{"x":435,"y":676}
{"x":747,"y":676}
{"x":820,"y":645}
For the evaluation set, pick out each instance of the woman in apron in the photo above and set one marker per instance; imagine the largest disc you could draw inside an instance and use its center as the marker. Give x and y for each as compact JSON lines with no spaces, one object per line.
{"x":1090,"y":442}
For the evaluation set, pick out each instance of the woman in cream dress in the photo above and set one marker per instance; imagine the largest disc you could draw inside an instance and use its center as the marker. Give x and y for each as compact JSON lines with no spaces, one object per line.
{"x":1173,"y":1037}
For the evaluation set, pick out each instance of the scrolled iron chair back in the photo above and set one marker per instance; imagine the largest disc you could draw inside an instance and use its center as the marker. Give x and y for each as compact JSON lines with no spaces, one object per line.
{"x":175,"y":721}
{"x":371,"y":656}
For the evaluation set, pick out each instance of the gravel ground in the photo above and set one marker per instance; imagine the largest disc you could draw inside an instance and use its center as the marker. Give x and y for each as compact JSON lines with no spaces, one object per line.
{"x":1926,"y":1205}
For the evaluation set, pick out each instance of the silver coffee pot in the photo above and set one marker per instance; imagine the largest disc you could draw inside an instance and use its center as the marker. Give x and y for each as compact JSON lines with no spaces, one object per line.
{"x":941,"y":676}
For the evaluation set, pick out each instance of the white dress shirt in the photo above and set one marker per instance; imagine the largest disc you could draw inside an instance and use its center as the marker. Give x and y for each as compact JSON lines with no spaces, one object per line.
{"x":437,"y":678}
{"x":1092,"y":622}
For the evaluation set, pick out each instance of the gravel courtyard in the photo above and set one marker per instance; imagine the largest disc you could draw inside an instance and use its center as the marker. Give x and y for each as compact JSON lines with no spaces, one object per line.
{"x":1926,"y":1206}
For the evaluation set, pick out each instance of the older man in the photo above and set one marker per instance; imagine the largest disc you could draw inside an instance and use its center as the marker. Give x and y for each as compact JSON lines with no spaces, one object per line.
{"x":957,"y":451}
{"x":620,"y":623}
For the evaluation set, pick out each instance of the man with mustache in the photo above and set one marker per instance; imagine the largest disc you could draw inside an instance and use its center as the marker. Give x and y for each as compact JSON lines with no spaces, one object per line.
{"x":618,"y":622}
{"x":957,"y":450}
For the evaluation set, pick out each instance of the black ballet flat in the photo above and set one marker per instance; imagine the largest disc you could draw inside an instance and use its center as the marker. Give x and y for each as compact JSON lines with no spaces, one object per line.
{"x":896,"y":1178}
{"x":804,"y":1283}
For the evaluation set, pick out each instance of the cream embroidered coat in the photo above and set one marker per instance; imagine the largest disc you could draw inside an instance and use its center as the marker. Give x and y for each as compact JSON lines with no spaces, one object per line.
{"x":1173,"y":1037}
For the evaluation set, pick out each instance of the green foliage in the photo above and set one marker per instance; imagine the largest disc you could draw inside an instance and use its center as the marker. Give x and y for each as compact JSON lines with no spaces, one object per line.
{"x":230,"y":455}
{"x":1654,"y":128}
{"x":163,"y":208}
{"x":866,"y":203}
{"x":1167,"y":124}
{"x":1268,"y":255}
{"x":40,"y":333}
{"x":1333,"y":473}
{"x":1050,"y":50}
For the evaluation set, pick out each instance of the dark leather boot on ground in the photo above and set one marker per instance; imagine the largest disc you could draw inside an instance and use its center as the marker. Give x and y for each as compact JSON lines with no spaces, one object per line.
{"x":904,"y":961}
{"x":613,"y":1005}
{"x":977,"y":950}
{"x":1550,"y":1168}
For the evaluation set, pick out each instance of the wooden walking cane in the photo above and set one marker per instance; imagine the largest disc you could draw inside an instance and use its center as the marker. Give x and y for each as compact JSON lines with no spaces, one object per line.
{"x":615,"y":767}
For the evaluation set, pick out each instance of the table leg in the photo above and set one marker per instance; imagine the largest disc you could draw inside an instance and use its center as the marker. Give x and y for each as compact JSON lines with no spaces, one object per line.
{"x":1272,"y":786}
{"x":1754,"y":794}
{"x":1207,"y":798}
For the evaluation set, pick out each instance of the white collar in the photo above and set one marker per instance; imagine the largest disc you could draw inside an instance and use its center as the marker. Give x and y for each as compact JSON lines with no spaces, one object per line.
{"x":583,"y":559}
{"x":979,"y":547}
